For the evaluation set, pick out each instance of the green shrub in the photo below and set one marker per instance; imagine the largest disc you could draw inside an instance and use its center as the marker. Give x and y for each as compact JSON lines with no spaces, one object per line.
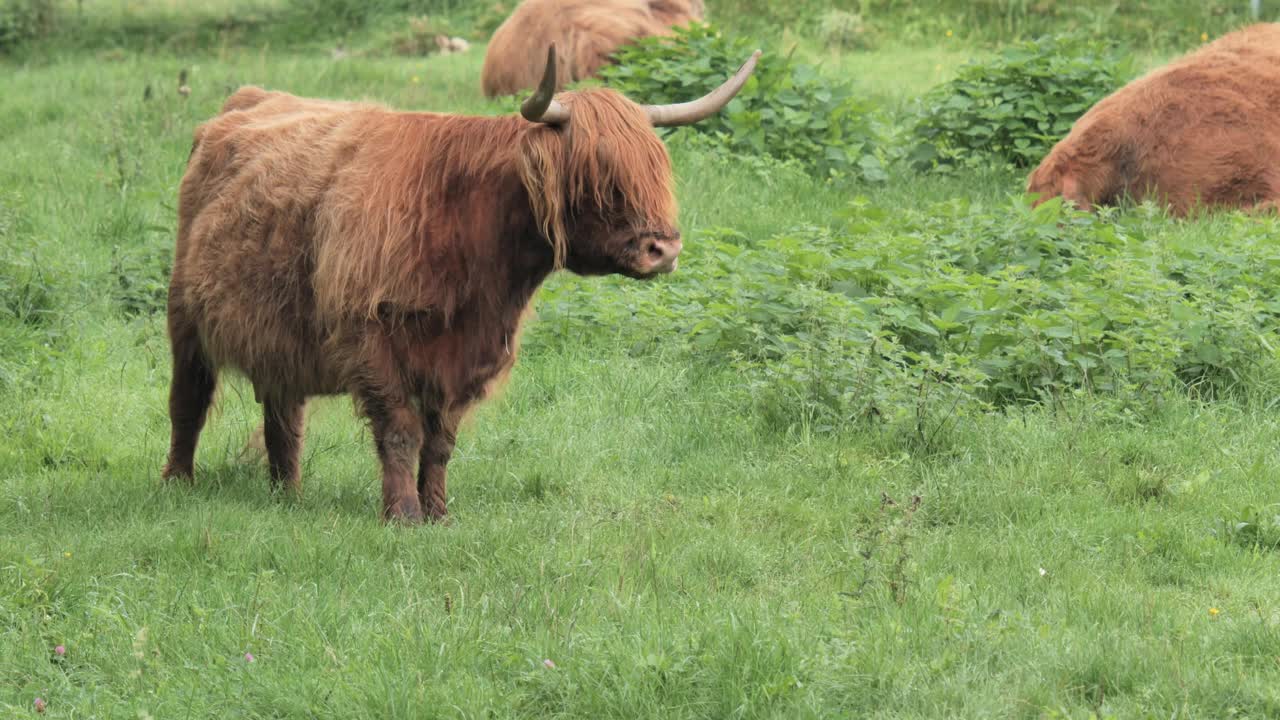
{"x":321,"y":18}
{"x":843,"y":30}
{"x":27,"y":315}
{"x":1151,"y":23}
{"x":917,"y":316}
{"x":140,"y":277}
{"x":490,"y":16}
{"x":787,"y":110}
{"x":24,"y":20}
{"x":1013,"y":108}
{"x":26,"y":295}
{"x":1252,"y":527}
{"x":418,"y":38}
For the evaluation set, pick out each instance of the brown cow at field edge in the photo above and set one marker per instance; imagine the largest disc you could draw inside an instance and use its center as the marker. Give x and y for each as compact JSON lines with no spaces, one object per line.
{"x":1203,"y":130}
{"x":328,"y":247}
{"x":587,"y":32}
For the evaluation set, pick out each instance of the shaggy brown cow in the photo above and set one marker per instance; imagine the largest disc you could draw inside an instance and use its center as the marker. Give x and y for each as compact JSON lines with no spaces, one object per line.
{"x":1201,"y":131}
{"x":586,"y":31}
{"x":329,"y":247}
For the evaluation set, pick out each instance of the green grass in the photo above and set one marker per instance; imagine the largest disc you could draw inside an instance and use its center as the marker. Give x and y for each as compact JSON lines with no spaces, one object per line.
{"x":629,"y":517}
{"x":1153,"y":23}
{"x":935,"y":26}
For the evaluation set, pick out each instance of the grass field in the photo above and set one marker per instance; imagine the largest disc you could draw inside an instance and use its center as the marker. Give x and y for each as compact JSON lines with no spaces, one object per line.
{"x":628,"y":538}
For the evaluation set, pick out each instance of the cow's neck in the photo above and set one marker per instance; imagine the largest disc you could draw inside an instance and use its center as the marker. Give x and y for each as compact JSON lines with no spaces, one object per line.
{"x":505,"y":262}
{"x":512,"y":262}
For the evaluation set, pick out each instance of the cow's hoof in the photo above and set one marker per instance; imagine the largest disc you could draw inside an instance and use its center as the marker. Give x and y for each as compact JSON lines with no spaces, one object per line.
{"x":403,"y":512}
{"x":435,"y":512}
{"x":173,"y":473}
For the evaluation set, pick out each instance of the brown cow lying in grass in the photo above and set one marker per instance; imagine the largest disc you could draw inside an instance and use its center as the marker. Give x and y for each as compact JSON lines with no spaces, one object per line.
{"x":328,"y":248}
{"x":586,"y":31}
{"x":1201,"y":131}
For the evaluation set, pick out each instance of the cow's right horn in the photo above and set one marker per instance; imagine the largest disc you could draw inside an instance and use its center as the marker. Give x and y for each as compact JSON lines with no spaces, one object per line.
{"x":704,"y":107}
{"x":541,"y":107}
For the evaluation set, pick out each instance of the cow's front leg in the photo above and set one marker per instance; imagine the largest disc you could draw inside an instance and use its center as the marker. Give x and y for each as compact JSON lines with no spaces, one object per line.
{"x":440,"y":430}
{"x":397,"y":432}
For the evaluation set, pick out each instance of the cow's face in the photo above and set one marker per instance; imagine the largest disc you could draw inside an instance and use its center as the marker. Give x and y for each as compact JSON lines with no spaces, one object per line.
{"x":607,"y":242}
{"x":599,"y":178}
{"x":626,"y":222}
{"x":609,"y":231}
{"x":606,"y":176}
{"x":1056,"y":179}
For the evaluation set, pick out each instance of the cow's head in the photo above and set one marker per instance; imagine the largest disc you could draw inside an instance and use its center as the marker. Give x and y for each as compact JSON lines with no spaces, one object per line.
{"x":1056,"y":178}
{"x":599,"y":178}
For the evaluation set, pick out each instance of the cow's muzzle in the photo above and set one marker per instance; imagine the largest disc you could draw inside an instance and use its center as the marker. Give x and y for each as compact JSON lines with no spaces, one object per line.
{"x":658,"y":253}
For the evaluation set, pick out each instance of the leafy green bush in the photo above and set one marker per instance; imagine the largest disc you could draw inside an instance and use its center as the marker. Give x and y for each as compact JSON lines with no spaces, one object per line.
{"x":1014,"y":107}
{"x":917,"y":316}
{"x":24,"y":20}
{"x":1252,"y":527}
{"x":26,"y":296}
{"x":338,"y":17}
{"x":786,"y":110}
{"x":28,"y":300}
{"x":843,"y":30}
{"x":1151,"y":23}
{"x":419,"y":36}
{"x":490,"y":16}
{"x":141,"y":279}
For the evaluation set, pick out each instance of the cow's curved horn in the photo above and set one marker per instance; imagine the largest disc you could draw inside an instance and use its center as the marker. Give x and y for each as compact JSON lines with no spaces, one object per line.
{"x":704,"y":107}
{"x":541,"y":106}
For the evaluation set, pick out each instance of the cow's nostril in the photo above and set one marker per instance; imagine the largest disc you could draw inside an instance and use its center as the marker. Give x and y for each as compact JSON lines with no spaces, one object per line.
{"x":655,"y":251}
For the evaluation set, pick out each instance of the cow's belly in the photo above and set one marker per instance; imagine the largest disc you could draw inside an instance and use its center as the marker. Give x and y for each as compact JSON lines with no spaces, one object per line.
{"x":279,"y":359}
{"x":265,"y":328}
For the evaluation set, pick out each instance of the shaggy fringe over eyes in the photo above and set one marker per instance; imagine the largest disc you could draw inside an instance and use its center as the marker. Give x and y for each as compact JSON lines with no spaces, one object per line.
{"x":607,"y":158}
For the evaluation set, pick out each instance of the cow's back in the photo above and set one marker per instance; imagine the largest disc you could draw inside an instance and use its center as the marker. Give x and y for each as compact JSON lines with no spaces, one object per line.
{"x":258,"y":175}
{"x":586,"y":33}
{"x":1206,"y":128}
{"x":1202,"y":128}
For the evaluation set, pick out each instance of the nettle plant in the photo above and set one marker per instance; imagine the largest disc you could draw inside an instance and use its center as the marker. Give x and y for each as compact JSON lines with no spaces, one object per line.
{"x":1013,"y":108}
{"x":787,"y":110}
{"x":923,"y":315}
{"x":24,"y":20}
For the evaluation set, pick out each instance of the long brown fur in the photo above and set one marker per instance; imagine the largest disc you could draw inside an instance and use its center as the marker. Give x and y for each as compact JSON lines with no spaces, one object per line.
{"x":1201,"y":131}
{"x":585,"y":32}
{"x":331,"y":247}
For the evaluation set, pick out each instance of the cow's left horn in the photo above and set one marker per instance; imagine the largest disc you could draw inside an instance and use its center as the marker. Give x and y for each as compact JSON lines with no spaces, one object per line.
{"x":541,"y":107}
{"x":704,"y":107}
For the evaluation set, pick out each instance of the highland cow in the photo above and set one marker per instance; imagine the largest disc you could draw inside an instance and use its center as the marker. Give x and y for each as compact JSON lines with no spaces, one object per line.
{"x":338,"y":248}
{"x":586,"y":31}
{"x":1201,"y":131}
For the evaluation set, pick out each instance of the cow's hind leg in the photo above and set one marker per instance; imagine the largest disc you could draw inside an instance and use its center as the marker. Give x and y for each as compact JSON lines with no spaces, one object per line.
{"x":190,"y":394}
{"x":282,"y":430}
{"x":440,"y":430}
